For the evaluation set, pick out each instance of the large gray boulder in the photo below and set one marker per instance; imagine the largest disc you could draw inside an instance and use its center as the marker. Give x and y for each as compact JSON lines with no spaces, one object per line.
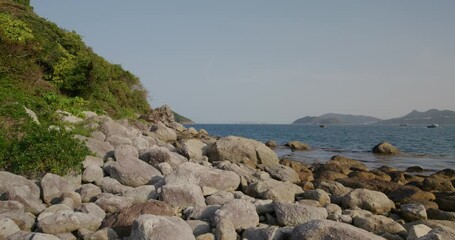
{"x":225,"y":230}
{"x":151,"y":227}
{"x":92,"y":173}
{"x":21,"y":235}
{"x":292,"y":214}
{"x":241,"y":213}
{"x":192,"y":173}
{"x":133,"y":172}
{"x":182,"y":195}
{"x":330,"y":230}
{"x":273,"y":189}
{"x":163,"y":133}
{"x":110,"y":185}
{"x":283,"y":173}
{"x":374,"y":201}
{"x":99,"y":148}
{"x":114,"y":128}
{"x":16,"y":211}
{"x":202,"y":213}
{"x":142,"y":194}
{"x":242,"y":150}
{"x":54,"y":186}
{"x":413,"y":212}
{"x":156,"y":155}
{"x":194,"y":149}
{"x":7,"y":228}
{"x":111,"y":203}
{"x":379,"y":224}
{"x":63,"y":222}
{"x":18,"y":188}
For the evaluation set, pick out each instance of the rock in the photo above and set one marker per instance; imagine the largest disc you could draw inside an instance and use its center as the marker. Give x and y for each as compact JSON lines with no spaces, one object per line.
{"x":110,"y":185}
{"x":242,"y":150}
{"x":319,"y":195}
{"x":376,"y":202}
{"x":162,"y":114}
{"x":192,"y":173}
{"x":54,"y":186}
{"x":15,"y":211}
{"x":417,"y":231}
{"x":333,"y":209}
{"x":142,"y":194}
{"x":153,"y":227}
{"x":92,"y":174}
{"x":111,"y":203}
{"x":94,"y":210}
{"x":53,"y":209}
{"x":258,"y":233}
{"x":219,"y":198}
{"x":385,"y":148}
{"x":248,"y":174}
{"x":99,"y":148}
{"x":165,"y":168}
{"x":439,"y":233}
{"x":291,"y":214}
{"x":207,"y":236}
{"x":140,"y":143}
{"x":18,"y":188}
{"x":32,"y":115}
{"x":163,"y":133}
{"x":32,"y":236}
{"x":329,"y":175}
{"x":379,"y":224}
{"x":413,"y":212}
{"x":371,"y":184}
{"x":271,"y":144}
{"x":437,"y":184}
{"x":225,"y":230}
{"x":445,"y":174}
{"x":195,"y":149}
{"x":156,"y":155}
{"x":440,"y":215}
{"x":102,"y":234}
{"x":302,"y":171}
{"x":283,"y":173}
{"x":133,"y":172}
{"x":414,"y":169}
{"x":445,"y":201}
{"x":330,"y":230}
{"x":240,"y":212}
{"x":125,"y":152}
{"x":115,"y":128}
{"x":273,"y":189}
{"x":202,"y":212}
{"x":89,"y":192}
{"x":296,"y":145}
{"x":199,"y":227}
{"x":63,"y":222}
{"x":91,"y":160}
{"x":407,"y":194}
{"x":182,"y":195}
{"x":122,"y":221}
{"x":335,"y":189}
{"x":7,"y":228}
{"x":118,"y":141}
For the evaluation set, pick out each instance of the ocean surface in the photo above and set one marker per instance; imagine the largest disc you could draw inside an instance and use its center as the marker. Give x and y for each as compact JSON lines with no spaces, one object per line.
{"x":431,"y":149}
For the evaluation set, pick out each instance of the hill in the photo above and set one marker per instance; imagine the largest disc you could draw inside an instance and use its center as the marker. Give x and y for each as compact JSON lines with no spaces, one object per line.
{"x":333,"y":118}
{"x":181,"y":119}
{"x":427,"y":117}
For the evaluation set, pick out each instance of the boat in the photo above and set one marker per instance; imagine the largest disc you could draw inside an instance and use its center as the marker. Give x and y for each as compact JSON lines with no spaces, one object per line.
{"x":434,"y":125}
{"x":322,"y":126}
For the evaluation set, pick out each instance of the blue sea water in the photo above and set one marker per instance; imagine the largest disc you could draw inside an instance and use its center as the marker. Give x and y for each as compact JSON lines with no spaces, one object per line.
{"x":432,"y":149}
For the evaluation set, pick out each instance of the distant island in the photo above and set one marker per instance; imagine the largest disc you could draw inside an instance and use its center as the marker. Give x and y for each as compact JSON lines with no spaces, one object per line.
{"x":182,"y":119}
{"x":414,"y":117}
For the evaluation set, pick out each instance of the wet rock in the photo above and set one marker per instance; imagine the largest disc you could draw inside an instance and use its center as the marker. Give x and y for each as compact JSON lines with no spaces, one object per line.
{"x":123,"y":220}
{"x":413,"y":212}
{"x":376,"y":202}
{"x":182,"y":195}
{"x":240,"y":212}
{"x":326,"y":229}
{"x":296,"y":145}
{"x":437,"y":184}
{"x":291,"y":214}
{"x":242,"y":150}
{"x":153,"y":227}
{"x":385,"y":148}
{"x":414,"y":169}
{"x":192,"y":173}
{"x":445,"y":174}
{"x":329,"y":175}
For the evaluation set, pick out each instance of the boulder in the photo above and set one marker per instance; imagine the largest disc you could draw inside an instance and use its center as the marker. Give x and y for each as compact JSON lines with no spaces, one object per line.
{"x":376,"y":202}
{"x":199,"y":227}
{"x":445,"y":201}
{"x":283,"y":173}
{"x":437,"y":184}
{"x":242,"y":150}
{"x":292,"y":214}
{"x":194,"y":149}
{"x":18,"y":188}
{"x":182,"y":195}
{"x":406,"y":194}
{"x":219,"y":198}
{"x":116,"y":128}
{"x":125,"y":152}
{"x":111,"y":203}
{"x":142,"y":194}
{"x":54,"y":186}
{"x":202,"y":213}
{"x":123,"y":220}
{"x":445,"y":174}
{"x":89,"y":192}
{"x":163,"y":133}
{"x":385,"y":148}
{"x":32,"y":236}
{"x":439,"y":233}
{"x":271,"y":144}
{"x":102,"y":234}
{"x":192,"y":173}
{"x":296,"y":145}
{"x":265,"y":232}
{"x":273,"y":189}
{"x":116,"y":141}
{"x":319,"y":195}
{"x":91,"y":160}
{"x":93,"y":209}
{"x":110,"y":185}
{"x":15,"y":211}
{"x":99,"y":148}
{"x":413,"y":212}
{"x":371,"y":184}
{"x":248,"y":174}
{"x":63,"y":222}
{"x":153,"y":227}
{"x":330,"y":230}
{"x":379,"y":224}
{"x":440,"y":215}
{"x":240,"y":212}
{"x":156,"y":155}
{"x":302,"y":170}
{"x":7,"y":228}
{"x":92,"y":173}
{"x":53,"y":209}
{"x":417,"y":231}
{"x":133,"y":172}
{"x":225,"y":230}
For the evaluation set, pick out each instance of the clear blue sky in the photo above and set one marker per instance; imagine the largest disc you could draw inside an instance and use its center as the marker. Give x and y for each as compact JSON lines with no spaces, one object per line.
{"x":275,"y":61}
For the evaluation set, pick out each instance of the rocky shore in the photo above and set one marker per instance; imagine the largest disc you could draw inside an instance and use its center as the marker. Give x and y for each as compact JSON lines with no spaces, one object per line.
{"x":160,"y":180}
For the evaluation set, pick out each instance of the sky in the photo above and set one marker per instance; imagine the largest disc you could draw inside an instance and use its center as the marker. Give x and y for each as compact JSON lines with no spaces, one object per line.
{"x":271,"y":61}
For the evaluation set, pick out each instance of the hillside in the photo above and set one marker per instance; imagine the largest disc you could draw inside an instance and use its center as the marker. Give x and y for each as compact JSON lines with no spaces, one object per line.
{"x":182,"y":119}
{"x":427,"y":117}
{"x":333,"y":118}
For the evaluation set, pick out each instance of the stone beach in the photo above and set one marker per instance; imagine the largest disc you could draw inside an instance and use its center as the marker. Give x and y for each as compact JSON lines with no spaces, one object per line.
{"x":156,"y":179}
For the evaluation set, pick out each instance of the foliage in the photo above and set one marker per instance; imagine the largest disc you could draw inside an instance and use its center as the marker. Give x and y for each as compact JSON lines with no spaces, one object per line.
{"x":14,"y":30}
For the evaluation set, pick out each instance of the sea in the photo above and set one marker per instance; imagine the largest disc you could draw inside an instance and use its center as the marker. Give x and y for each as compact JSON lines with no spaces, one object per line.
{"x":432,"y":149}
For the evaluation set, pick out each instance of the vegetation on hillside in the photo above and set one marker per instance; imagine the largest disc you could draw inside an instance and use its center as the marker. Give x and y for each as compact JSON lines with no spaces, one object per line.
{"x":182,"y":119}
{"x":45,"y":68}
